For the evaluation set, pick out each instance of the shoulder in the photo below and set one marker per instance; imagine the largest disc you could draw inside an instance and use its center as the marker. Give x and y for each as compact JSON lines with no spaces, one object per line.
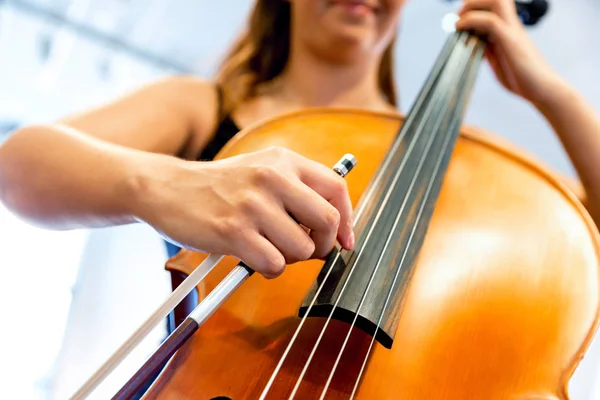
{"x":199,"y":100}
{"x":184,"y":91}
{"x":194,"y":94}
{"x":187,"y":83}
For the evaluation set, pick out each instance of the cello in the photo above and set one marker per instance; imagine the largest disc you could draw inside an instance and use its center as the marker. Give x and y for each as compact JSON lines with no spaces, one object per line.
{"x":475,"y":272}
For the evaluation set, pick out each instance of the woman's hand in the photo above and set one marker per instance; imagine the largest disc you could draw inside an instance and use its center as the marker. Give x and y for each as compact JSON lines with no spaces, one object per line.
{"x":518,"y":65}
{"x":239,"y":206}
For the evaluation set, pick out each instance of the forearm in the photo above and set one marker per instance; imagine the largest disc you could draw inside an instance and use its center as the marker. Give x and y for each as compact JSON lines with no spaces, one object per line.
{"x":577,"y":125}
{"x":71,"y":180}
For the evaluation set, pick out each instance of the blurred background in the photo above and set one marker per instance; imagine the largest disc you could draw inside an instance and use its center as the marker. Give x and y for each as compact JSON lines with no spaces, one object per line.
{"x":69,"y":299}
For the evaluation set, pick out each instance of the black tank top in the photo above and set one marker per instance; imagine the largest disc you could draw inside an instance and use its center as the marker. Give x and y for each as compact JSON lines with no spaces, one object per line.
{"x":225,"y":131}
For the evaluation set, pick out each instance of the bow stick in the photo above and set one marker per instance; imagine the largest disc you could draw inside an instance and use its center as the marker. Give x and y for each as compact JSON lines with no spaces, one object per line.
{"x":190,"y":325}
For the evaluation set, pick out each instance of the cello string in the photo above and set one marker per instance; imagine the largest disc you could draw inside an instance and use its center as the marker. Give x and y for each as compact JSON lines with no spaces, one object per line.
{"x":447,"y":49}
{"x":441,"y":120}
{"x":419,"y":131}
{"x":181,"y":291}
{"x":453,"y":65}
{"x":454,"y":128}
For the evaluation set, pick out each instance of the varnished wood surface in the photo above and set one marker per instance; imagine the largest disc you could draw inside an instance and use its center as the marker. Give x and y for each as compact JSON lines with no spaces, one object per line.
{"x":503,"y":303}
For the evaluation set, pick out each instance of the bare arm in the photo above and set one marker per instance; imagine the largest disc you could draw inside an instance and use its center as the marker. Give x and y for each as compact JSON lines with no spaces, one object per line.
{"x":520,"y":68}
{"x":115,"y":165}
{"x":577,"y":125}
{"x":81,"y":171}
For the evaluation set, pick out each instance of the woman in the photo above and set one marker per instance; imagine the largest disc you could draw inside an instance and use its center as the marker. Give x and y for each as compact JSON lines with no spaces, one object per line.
{"x":136,"y":157}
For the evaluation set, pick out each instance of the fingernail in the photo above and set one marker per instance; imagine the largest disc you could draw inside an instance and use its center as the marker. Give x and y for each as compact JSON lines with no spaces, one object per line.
{"x":352,"y":239}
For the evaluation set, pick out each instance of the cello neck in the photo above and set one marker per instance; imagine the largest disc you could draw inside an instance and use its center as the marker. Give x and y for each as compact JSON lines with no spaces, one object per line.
{"x":396,"y":209}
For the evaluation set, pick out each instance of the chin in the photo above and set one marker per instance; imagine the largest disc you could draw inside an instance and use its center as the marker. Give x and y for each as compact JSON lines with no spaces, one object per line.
{"x":345,"y":29}
{"x":340,"y":32}
{"x":352,"y":33}
{"x":351,"y":40}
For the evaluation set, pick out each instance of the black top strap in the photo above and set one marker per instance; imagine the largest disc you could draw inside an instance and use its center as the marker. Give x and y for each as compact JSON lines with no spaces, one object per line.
{"x":226,"y":129}
{"x":220,"y":100}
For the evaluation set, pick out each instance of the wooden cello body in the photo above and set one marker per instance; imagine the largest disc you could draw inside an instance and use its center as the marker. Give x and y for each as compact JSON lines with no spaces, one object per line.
{"x":502,"y":303}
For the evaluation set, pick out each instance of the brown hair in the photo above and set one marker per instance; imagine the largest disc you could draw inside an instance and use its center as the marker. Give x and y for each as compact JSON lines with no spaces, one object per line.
{"x":261,"y":52}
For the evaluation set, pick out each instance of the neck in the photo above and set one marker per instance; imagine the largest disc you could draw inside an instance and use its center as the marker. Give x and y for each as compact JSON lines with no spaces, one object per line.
{"x":311,"y":81}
